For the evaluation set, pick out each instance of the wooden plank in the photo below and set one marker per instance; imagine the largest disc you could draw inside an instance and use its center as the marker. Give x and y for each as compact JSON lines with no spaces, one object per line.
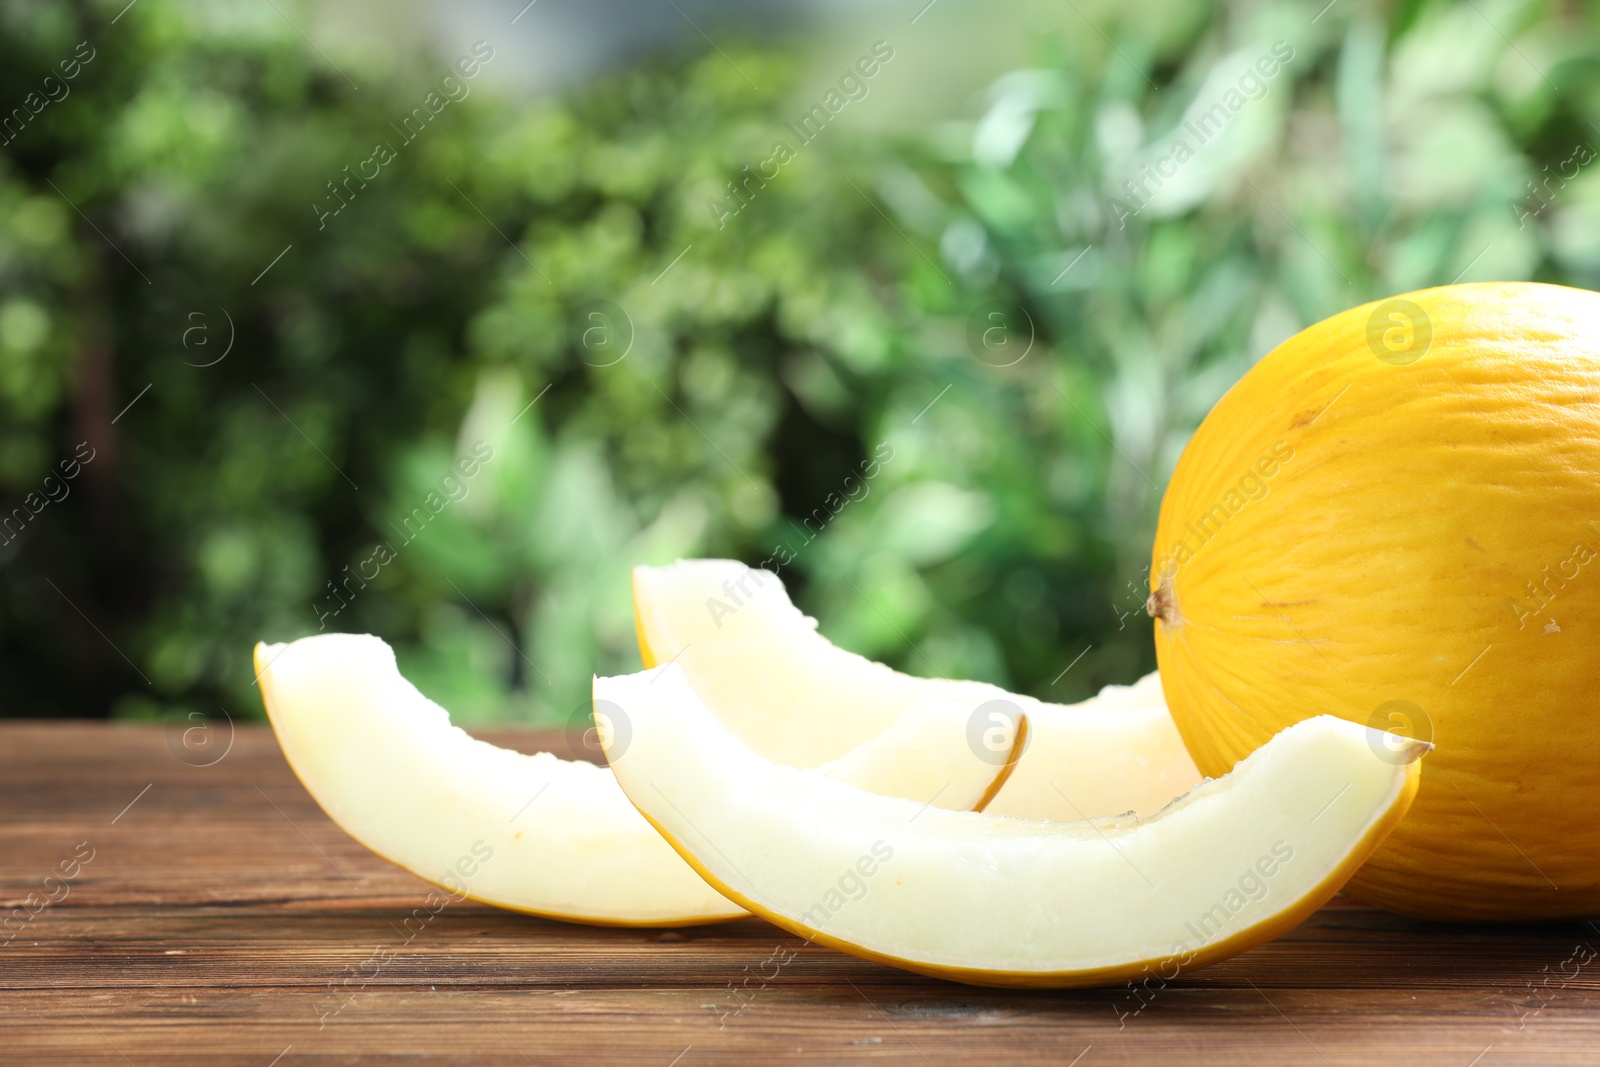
{"x":221,"y":918}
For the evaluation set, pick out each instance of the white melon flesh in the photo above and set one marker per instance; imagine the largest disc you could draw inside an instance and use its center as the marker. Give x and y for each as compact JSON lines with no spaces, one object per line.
{"x":993,"y":900}
{"x":1116,"y":752}
{"x":534,"y":833}
{"x":927,"y":746}
{"x":784,"y":690}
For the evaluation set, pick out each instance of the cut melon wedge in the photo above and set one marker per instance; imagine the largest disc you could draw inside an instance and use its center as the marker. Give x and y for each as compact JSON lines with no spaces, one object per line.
{"x":993,"y":900}
{"x":1116,"y":752}
{"x":781,"y":688}
{"x":535,"y":833}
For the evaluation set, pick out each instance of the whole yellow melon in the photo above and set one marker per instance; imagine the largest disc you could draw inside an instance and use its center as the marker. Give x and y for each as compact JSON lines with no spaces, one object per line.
{"x":1394,"y":518}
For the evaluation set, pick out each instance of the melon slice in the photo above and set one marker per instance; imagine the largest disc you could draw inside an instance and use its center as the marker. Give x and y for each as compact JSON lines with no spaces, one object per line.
{"x":993,"y":900}
{"x":536,"y":833}
{"x":1118,"y":751}
{"x":781,"y":688}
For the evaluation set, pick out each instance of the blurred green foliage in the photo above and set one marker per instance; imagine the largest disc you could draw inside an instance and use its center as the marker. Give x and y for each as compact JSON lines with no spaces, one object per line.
{"x":1020,"y":337}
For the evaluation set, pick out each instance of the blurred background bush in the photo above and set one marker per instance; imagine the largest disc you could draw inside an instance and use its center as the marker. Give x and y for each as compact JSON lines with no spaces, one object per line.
{"x":991,"y":278}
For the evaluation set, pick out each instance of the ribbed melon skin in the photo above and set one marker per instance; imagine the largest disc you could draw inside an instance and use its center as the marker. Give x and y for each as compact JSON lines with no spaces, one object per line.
{"x":1429,"y":532}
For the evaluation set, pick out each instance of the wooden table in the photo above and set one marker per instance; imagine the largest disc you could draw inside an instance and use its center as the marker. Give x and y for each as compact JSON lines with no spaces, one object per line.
{"x":214,"y":915}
